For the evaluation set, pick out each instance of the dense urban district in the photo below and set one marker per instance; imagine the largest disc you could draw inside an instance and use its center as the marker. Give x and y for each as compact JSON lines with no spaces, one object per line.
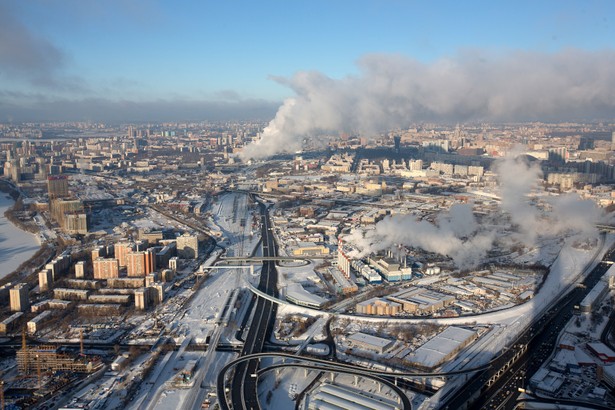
{"x":463,"y":266}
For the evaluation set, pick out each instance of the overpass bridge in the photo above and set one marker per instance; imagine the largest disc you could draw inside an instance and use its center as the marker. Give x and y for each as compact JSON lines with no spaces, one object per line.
{"x":605,"y":227}
{"x":261,"y":259}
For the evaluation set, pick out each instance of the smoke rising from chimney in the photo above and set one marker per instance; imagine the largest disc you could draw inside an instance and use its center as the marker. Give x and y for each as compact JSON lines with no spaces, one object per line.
{"x":393,"y":91}
{"x":458,"y":235}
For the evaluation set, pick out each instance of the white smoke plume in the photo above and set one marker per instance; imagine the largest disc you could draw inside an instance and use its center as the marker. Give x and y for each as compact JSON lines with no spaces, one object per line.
{"x":517,"y":179}
{"x":392,"y":91}
{"x":457,"y":234}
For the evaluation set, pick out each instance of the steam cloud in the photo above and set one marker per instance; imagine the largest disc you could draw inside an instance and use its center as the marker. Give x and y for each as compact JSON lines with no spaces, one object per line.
{"x":457,"y":234}
{"x":392,"y":91}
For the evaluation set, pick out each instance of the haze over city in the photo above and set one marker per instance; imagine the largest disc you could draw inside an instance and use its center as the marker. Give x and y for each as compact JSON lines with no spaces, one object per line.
{"x":309,"y":205}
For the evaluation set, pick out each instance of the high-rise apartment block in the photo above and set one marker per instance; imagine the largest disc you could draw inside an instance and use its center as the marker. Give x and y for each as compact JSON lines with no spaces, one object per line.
{"x":80,"y":269}
{"x":19,"y":298}
{"x":106,"y":268}
{"x":45,"y":279}
{"x":121,"y":250}
{"x":57,"y":187}
{"x":140,"y":263}
{"x":188,"y":246}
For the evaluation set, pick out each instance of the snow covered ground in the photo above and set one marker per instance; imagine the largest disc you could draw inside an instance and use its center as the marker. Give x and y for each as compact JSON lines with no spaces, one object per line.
{"x":16,"y":246}
{"x":233,"y":218}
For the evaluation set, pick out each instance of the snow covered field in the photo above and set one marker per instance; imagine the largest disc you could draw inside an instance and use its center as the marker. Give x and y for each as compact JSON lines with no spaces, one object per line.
{"x":16,"y":246}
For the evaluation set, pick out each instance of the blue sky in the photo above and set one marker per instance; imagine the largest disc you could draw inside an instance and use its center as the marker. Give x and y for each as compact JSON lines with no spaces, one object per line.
{"x":144,"y":51}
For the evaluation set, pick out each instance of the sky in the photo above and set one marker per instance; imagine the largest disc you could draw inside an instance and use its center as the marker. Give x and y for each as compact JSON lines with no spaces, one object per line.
{"x":169,"y":60}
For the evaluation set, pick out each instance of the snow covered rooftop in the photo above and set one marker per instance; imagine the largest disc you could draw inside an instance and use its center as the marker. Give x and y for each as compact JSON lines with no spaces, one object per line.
{"x":442,"y":347}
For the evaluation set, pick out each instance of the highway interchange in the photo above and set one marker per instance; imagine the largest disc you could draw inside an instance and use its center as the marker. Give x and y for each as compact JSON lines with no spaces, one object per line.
{"x":494,"y":385}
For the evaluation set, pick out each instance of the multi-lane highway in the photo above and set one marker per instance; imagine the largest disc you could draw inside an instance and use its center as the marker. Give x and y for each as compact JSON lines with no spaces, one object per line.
{"x":243,"y":385}
{"x":485,"y":390}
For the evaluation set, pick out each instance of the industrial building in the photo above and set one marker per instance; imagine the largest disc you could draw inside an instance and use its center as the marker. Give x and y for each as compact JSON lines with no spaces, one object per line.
{"x":602,"y":351}
{"x":379,"y":306}
{"x":330,"y":396}
{"x":299,"y":296}
{"x":368,"y":342}
{"x":390,"y":269}
{"x":442,"y":347}
{"x":343,"y":285}
{"x":310,"y":249}
{"x":594,"y":297}
{"x":421,"y":300}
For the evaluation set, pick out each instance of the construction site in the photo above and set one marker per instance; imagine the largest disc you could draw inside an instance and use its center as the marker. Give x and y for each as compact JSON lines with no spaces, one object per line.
{"x":39,"y":372}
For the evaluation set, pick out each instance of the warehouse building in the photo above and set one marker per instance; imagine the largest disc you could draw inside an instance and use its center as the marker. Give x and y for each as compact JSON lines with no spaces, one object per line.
{"x":330,"y":396}
{"x":368,"y":342}
{"x":442,"y":347}
{"x":379,"y":306}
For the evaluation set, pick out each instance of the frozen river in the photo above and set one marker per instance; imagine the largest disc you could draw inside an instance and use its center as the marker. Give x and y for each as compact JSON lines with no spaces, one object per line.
{"x":16,"y":246}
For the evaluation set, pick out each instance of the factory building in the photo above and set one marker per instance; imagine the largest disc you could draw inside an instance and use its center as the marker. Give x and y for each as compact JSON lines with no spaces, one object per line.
{"x":378,"y":306}
{"x":442,"y":347}
{"x":310,"y":249}
{"x":299,"y":296}
{"x":368,"y":342}
{"x":594,"y":297}
{"x":343,"y":285}
{"x":330,"y":396}
{"x":421,"y":300}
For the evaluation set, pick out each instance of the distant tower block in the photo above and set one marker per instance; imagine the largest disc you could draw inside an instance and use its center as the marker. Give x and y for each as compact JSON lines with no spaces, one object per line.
{"x":57,"y":187}
{"x":45,"y":280}
{"x":397,"y":140}
{"x":19,"y":298}
{"x":173,"y":263}
{"x":80,"y":269}
{"x":613,"y":141}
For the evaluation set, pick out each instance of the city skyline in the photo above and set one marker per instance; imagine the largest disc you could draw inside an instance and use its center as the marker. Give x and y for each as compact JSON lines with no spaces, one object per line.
{"x":132,"y":61}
